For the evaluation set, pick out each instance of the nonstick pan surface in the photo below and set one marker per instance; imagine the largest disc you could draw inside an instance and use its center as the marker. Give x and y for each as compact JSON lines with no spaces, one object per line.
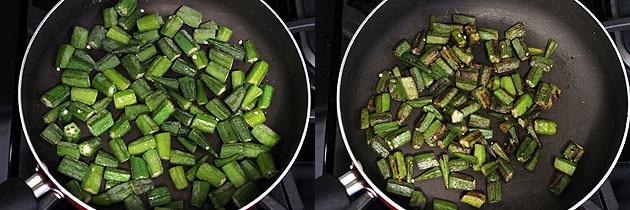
{"x":592,"y":109}
{"x":288,"y":114}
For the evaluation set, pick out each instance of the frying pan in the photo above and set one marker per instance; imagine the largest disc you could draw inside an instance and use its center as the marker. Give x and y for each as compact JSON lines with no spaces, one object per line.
{"x":592,"y":109}
{"x":250,"y":19}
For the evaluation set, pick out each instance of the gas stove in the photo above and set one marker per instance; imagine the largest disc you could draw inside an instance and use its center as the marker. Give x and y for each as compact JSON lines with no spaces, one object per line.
{"x":347,"y":15}
{"x":16,"y":159}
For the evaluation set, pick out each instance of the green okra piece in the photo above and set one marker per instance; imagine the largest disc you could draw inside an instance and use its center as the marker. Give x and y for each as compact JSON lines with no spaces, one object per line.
{"x":108,"y":61}
{"x":224,"y":33}
{"x":125,"y":7}
{"x":158,"y":67}
{"x":118,"y":34}
{"x":169,"y":48}
{"x":222,"y":195}
{"x":73,"y":168}
{"x":52,"y":133}
{"x":189,"y":16}
{"x":120,"y":81}
{"x":443,"y":165}
{"x":384,"y":168}
{"x":234,"y":173}
{"x":441,"y":204}
{"x":479,"y":152}
{"x":397,"y":165}
{"x":402,"y":47}
{"x":471,"y":138}
{"x":154,"y":163}
{"x":149,"y":22}
{"x":251,"y":53}
{"x":236,"y":51}
{"x":172,"y":25}
{"x":110,"y":45}
{"x":146,"y":38}
{"x":147,"y":52}
{"x":110,"y":17}
{"x":473,"y":198}
{"x":76,"y":78}
{"x":573,"y":151}
{"x":565,"y":166}
{"x":103,"y":85}
{"x":201,"y":35}
{"x":179,"y":157}
{"x":92,"y":181}
{"x":487,"y":33}
{"x":251,"y":97}
{"x":221,"y":58}
{"x":211,"y":174}
{"x":134,"y":110}
{"x":530,"y":165}
{"x":506,"y":170}
{"x":68,"y":149}
{"x":100,"y":122}
{"x":458,"y":164}
{"x":461,"y":181}
{"x":417,"y":139}
{"x":552,"y":45}
{"x":433,"y":172}
{"x":192,"y":171}
{"x":199,"y":191}
{"x":186,"y":43}
{"x":541,"y":62}
{"x":493,"y":50}
{"x":204,"y":123}
{"x":105,"y":159}
{"x":545,"y":126}
{"x":216,"y":86}
{"x":559,"y":183}
{"x":163,"y":112}
{"x":79,"y":37}
{"x":141,"y":145}
{"x":263,"y":134}
{"x":80,"y":110}
{"x":131,"y":63}
{"x":56,"y":95}
{"x":418,"y":199}
{"x":476,"y":120}
{"x":399,"y":188}
{"x":119,"y":149}
{"x":489,"y":169}
{"x":159,"y":196}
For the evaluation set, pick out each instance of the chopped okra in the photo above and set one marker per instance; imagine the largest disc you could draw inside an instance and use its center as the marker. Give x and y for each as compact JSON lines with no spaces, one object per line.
{"x":461,"y":98}
{"x":153,"y":74}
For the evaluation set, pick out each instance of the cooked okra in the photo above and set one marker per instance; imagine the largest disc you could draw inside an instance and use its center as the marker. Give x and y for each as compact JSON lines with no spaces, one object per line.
{"x":459,"y":98}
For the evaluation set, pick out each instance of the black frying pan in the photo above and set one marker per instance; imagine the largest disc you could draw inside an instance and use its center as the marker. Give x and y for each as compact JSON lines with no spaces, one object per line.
{"x":252,"y":19}
{"x":592,"y":110}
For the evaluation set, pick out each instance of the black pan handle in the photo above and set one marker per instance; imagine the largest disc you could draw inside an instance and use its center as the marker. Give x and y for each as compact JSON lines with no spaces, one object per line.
{"x":330,"y":193}
{"x":16,"y":193}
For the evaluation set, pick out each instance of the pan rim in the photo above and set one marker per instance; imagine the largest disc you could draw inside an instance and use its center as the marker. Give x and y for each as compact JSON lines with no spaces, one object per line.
{"x":395,"y":205}
{"x":62,"y":192}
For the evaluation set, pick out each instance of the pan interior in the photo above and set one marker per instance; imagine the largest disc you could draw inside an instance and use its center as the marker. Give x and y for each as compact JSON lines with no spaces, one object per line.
{"x":287,"y":115}
{"x":592,"y":109}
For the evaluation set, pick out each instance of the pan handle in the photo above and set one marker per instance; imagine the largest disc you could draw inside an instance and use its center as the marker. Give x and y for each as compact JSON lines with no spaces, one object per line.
{"x":334,"y":193}
{"x":16,"y":193}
